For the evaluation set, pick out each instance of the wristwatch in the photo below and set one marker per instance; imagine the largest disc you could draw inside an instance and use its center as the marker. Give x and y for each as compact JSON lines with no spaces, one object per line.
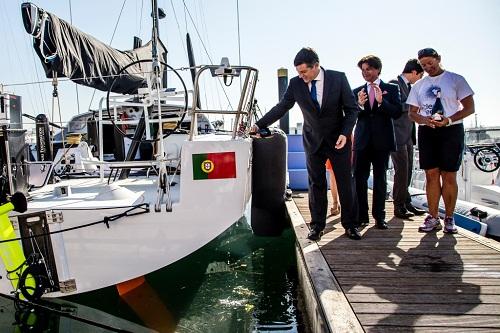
{"x":450,"y":122}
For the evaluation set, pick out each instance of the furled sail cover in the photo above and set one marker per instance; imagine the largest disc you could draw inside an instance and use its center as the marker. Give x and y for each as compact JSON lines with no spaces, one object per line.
{"x":71,"y":53}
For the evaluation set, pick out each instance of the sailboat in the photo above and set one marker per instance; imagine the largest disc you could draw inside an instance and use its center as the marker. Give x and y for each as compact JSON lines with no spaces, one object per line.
{"x":98,"y":214}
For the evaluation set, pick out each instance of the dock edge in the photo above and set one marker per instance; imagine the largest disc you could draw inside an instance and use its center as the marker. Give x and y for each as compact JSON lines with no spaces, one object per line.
{"x":328,"y":309}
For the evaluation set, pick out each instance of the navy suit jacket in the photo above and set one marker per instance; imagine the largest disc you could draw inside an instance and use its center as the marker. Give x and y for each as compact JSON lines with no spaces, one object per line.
{"x":375,"y":125}
{"x":337,"y":114}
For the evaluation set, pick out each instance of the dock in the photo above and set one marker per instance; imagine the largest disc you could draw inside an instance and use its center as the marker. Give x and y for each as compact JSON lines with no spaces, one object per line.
{"x":396,"y":280}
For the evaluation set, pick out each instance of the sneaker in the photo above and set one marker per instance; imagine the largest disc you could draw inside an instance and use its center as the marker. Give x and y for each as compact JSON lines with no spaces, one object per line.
{"x":430,"y":223}
{"x":449,"y":225}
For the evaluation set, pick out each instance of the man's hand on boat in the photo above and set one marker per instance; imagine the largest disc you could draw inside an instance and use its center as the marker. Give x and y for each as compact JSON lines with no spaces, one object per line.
{"x":257,"y":132}
{"x":254,"y":130}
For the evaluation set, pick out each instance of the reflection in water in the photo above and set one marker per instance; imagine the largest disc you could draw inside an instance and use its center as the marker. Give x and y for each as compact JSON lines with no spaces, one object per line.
{"x":236,"y":283}
{"x":61,"y":316}
{"x":144,"y":301}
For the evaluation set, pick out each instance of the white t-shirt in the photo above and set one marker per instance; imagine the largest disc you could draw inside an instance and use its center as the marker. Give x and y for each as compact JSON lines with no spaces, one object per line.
{"x":452,"y":86}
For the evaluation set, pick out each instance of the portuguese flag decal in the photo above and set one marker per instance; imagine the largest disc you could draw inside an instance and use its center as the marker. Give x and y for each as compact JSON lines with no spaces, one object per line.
{"x":214,"y":165}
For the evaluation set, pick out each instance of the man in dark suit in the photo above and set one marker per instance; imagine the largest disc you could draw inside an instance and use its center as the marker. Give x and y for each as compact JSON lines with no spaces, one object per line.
{"x":378,"y":104}
{"x":329,"y":109}
{"x":402,"y":158}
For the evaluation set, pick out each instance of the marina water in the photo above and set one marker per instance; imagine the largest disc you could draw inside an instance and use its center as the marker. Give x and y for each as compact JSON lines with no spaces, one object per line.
{"x":237,"y":283}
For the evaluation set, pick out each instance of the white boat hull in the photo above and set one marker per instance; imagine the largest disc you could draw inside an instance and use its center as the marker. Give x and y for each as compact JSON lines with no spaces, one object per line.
{"x":97,"y":256}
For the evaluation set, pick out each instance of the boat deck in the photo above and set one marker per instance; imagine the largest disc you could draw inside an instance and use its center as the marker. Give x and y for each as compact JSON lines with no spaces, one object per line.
{"x":400,"y":280}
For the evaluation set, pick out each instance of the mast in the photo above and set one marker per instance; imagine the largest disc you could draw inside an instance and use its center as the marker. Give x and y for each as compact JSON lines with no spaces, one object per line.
{"x":154,"y":49}
{"x":163,"y":184}
{"x":157,"y":81}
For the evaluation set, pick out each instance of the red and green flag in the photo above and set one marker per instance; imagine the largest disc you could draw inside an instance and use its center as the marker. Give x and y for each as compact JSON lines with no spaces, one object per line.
{"x":214,"y":165}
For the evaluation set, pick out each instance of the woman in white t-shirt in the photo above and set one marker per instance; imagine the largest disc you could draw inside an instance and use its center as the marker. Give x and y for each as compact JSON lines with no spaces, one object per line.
{"x":438,"y":103}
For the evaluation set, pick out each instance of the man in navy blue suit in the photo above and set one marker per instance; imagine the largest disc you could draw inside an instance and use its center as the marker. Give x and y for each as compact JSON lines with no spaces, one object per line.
{"x":329,"y":109}
{"x":374,"y":139}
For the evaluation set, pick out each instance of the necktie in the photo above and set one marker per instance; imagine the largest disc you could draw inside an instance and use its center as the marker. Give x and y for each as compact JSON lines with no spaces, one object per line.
{"x":314,"y":95}
{"x":409,"y":86}
{"x":371,"y":95}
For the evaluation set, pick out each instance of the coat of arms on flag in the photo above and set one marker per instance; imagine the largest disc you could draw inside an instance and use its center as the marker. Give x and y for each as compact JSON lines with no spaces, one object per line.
{"x":214,"y":165}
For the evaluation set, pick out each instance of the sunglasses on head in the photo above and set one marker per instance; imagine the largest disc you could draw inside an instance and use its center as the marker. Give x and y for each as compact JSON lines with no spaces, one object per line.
{"x":427,"y":52}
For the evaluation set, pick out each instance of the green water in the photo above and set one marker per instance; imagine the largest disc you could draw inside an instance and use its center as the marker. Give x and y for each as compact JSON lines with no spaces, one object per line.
{"x":237,"y":283}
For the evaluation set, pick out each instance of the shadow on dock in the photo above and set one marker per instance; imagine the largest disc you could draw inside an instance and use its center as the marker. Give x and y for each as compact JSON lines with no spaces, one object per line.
{"x":401,"y":280}
{"x":424,"y":280}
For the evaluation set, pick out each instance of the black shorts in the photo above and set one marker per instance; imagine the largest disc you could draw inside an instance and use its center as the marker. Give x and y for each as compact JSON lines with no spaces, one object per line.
{"x":441,"y":147}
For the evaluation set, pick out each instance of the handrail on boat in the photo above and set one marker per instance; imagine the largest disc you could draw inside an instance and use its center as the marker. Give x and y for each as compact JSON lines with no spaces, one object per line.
{"x":50,"y":164}
{"x":147,"y":102}
{"x":246,"y":96}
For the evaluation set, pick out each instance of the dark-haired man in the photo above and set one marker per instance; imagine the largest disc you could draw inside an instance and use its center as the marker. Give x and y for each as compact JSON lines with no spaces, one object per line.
{"x":402,"y":158}
{"x":378,"y":103}
{"x":440,"y":139}
{"x":329,"y":110}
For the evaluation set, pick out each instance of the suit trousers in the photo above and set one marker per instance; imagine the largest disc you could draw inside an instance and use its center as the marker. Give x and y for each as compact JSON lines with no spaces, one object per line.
{"x":402,"y":159}
{"x":363,"y":159}
{"x":318,"y":199}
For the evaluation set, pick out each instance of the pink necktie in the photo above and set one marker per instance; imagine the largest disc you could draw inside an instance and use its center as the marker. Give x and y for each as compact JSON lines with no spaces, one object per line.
{"x":371,"y":95}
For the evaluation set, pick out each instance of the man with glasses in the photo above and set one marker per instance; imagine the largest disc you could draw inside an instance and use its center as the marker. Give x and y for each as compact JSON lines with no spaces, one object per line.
{"x":329,"y":109}
{"x":402,"y":158}
{"x":440,"y":139}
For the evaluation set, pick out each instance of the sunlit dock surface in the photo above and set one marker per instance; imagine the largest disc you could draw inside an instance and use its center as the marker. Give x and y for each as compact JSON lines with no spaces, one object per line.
{"x":398,"y":280}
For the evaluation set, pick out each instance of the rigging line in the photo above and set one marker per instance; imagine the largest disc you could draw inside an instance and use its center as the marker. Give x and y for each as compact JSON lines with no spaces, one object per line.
{"x":60,"y":120}
{"x":7,"y":20}
{"x":76,"y":85}
{"x":239,"y":40}
{"x":93,"y":77}
{"x":43,"y":98}
{"x":197,"y":32}
{"x":42,"y":95}
{"x":179,"y":28}
{"x":140,"y":18}
{"x":185,"y":18}
{"x":205,"y":28}
{"x":111,"y":41}
{"x":199,"y":14}
{"x":206,"y":51}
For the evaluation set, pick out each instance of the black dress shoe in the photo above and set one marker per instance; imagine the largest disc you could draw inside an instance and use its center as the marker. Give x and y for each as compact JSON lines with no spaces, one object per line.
{"x":402,"y":213}
{"x":353,"y":233}
{"x":381,"y":224}
{"x":415,"y":210}
{"x":314,"y":235}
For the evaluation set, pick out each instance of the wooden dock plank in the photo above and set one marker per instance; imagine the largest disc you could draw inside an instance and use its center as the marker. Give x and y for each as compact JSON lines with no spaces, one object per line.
{"x":420,"y":298}
{"x":466,"y":323}
{"x":401,"y":287}
{"x":417,"y":329}
{"x":427,"y":308}
{"x":394,"y":282}
{"x":401,"y":280}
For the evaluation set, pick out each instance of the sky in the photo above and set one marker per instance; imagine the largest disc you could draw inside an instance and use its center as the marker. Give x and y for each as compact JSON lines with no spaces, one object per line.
{"x":466,"y":34}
